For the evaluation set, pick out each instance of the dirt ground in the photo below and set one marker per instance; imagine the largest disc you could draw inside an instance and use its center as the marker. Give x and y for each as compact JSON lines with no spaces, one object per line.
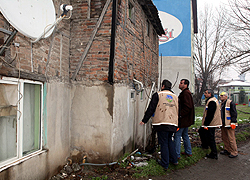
{"x":223,"y":168}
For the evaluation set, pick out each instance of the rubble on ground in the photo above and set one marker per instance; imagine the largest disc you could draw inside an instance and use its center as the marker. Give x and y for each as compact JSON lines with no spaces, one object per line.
{"x":84,"y":170}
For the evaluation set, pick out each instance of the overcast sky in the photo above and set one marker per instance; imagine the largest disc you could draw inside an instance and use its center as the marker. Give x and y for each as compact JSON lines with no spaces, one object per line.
{"x":215,"y":3}
{"x":230,"y":73}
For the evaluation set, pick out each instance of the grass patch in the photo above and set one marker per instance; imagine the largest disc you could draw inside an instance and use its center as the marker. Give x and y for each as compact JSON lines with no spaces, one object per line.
{"x":243,"y":135}
{"x":185,"y":161}
{"x":199,"y":110}
{"x":198,"y":117}
{"x":240,"y":137}
{"x":154,"y":169}
{"x":243,"y":117}
{"x":104,"y":177}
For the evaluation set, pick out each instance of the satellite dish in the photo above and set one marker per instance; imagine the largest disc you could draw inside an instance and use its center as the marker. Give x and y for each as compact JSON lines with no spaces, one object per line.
{"x":30,"y":17}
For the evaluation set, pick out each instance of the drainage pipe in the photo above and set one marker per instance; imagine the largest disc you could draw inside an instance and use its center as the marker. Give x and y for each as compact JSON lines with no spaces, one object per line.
{"x":140,"y":83}
{"x":145,"y":127}
{"x":112,"y":44}
{"x":92,"y":164}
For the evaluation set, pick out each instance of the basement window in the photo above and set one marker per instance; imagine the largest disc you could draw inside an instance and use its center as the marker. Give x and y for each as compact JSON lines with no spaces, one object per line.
{"x":142,"y":95}
{"x":154,"y":38}
{"x":132,"y":95}
{"x":20,"y":119}
{"x":131,"y":12}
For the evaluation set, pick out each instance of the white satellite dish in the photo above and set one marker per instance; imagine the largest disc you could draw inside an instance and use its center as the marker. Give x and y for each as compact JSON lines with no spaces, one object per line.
{"x":29,"y":17}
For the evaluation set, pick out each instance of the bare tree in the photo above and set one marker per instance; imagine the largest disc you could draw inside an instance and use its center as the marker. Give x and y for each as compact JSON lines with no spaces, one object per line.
{"x":238,"y":49}
{"x":209,"y":46}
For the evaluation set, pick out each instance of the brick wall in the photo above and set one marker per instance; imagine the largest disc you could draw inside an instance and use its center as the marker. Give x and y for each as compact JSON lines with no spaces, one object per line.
{"x":95,"y":66}
{"x":46,"y":59}
{"x":135,"y":53}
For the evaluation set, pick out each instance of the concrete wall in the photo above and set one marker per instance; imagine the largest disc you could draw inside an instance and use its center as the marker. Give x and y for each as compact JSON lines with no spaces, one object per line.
{"x":123,"y":121}
{"x":127,"y":134}
{"x":58,"y":123}
{"x":91,"y":121}
{"x":105,"y":121}
{"x":170,"y":68}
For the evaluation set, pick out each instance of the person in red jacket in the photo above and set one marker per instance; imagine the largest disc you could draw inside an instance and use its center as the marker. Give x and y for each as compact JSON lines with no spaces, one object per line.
{"x":186,"y":119}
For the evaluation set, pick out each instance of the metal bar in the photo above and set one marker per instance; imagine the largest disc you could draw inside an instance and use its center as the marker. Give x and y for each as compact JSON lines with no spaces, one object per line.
{"x":91,"y":39}
{"x":7,"y":42}
{"x":5,"y":31}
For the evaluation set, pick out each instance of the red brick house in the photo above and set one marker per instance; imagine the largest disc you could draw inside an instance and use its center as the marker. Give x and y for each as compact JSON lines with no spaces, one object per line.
{"x":79,"y":91}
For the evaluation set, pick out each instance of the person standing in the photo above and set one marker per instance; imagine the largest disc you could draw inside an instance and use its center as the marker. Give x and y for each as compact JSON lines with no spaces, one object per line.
{"x":229,"y":121}
{"x":211,"y":119}
{"x":164,"y":107}
{"x":186,"y":119}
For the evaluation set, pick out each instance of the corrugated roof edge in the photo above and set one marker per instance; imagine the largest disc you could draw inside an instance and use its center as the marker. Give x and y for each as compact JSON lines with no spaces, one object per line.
{"x":152,"y":13}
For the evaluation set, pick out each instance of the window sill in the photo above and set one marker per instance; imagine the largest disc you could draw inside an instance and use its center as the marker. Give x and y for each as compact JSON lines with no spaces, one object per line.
{"x":4,"y":165}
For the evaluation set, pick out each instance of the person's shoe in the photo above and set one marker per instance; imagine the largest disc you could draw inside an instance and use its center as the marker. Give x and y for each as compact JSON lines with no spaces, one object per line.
{"x":165,"y":169}
{"x":159,"y":162}
{"x":184,"y":153}
{"x":232,"y":156}
{"x":225,"y":152}
{"x":212,"y":156}
{"x":175,"y":163}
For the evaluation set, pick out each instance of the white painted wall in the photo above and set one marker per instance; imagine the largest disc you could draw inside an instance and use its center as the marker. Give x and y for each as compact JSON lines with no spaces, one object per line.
{"x":171,"y":66}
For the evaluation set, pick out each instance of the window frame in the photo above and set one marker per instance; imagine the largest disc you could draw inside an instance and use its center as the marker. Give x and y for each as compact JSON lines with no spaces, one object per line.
{"x":20,"y":157}
{"x":154,"y":38}
{"x":148,"y":28}
{"x":131,"y":11}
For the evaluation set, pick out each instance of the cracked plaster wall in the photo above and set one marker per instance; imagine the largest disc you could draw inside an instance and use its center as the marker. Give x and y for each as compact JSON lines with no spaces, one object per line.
{"x":105,"y":121}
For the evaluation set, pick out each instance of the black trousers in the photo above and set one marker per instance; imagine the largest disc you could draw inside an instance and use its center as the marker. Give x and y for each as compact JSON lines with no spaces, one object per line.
{"x":208,"y":139}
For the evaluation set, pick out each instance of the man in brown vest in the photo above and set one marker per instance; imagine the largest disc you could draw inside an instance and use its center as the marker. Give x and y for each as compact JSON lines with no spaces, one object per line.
{"x":164,"y":107}
{"x":229,"y":122}
{"x":211,"y":119}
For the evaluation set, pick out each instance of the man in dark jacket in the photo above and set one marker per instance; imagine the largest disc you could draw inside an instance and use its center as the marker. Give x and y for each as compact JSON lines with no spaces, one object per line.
{"x":229,"y":122}
{"x":211,"y":120}
{"x":186,"y":119}
{"x":164,"y":107}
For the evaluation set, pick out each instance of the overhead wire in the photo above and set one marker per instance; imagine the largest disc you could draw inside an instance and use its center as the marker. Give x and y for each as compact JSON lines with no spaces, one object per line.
{"x":18,"y":89}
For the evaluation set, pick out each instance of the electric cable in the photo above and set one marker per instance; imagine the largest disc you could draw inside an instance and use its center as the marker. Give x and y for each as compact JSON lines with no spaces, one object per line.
{"x":106,"y":164}
{"x":175,"y":79}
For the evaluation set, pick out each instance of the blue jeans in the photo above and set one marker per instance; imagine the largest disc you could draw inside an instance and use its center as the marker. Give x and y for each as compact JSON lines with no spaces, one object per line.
{"x":168,"y":153}
{"x":183,"y":132}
